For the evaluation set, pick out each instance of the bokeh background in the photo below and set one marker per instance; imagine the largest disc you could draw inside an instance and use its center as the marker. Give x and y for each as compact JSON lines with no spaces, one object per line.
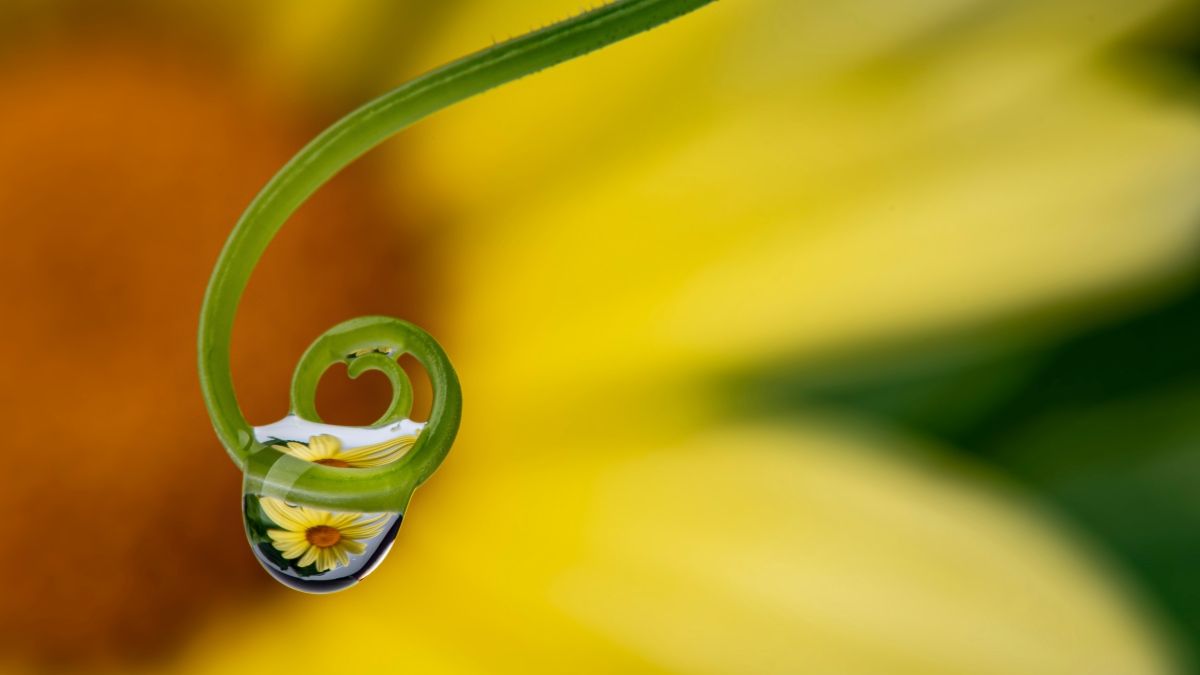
{"x":855,"y":337}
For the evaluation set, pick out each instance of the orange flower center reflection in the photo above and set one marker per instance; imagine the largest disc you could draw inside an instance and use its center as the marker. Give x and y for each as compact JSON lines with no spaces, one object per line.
{"x":323,"y":536}
{"x":333,"y":462}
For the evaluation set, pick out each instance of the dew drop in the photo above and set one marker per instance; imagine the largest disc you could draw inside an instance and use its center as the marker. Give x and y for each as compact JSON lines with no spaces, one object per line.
{"x":315,"y":550}
{"x":332,"y":565}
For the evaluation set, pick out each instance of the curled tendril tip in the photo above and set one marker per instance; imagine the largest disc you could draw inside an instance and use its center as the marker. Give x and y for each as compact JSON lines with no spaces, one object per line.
{"x":374,"y":343}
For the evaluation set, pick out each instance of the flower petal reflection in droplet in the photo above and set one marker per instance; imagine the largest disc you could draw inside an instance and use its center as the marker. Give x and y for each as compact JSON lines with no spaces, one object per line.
{"x":315,"y":550}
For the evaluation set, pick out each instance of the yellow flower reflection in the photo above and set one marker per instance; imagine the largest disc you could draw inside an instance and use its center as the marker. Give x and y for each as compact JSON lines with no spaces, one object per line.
{"x":328,"y":450}
{"x":322,"y":537}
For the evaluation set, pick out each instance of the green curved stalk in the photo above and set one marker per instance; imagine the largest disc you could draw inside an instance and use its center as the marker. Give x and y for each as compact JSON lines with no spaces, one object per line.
{"x":387,"y":487}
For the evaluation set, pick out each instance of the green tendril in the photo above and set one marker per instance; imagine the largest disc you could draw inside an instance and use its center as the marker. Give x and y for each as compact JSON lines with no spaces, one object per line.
{"x":374,"y":343}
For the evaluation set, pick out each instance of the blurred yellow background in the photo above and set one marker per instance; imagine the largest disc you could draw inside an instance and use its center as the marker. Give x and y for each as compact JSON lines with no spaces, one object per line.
{"x":843,"y":338}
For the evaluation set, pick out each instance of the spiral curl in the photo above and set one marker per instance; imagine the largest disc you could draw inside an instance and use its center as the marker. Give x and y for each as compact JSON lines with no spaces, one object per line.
{"x":389,"y":487}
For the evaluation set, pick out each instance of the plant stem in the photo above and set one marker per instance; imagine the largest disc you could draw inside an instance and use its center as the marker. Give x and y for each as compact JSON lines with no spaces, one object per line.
{"x":341,"y":144}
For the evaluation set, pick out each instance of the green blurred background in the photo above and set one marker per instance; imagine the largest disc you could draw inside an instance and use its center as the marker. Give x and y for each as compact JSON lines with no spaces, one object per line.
{"x":851,"y":337}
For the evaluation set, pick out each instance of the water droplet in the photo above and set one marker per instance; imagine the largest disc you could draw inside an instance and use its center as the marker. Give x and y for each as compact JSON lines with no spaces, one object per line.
{"x":312,"y":549}
{"x":317,"y":551}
